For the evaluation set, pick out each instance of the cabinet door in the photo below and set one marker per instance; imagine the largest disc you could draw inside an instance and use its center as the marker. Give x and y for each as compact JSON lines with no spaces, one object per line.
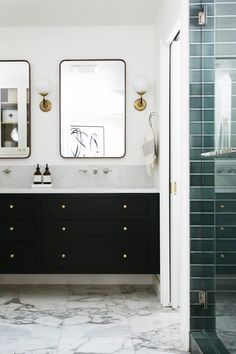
{"x":95,"y":257}
{"x":113,"y":228}
{"x":93,"y":206}
{"x":14,"y":207}
{"x":17,"y":230}
{"x":18,"y":257}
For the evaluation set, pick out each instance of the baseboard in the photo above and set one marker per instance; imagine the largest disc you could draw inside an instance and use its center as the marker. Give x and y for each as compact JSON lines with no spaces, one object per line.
{"x":156,"y":283}
{"x":93,"y":279}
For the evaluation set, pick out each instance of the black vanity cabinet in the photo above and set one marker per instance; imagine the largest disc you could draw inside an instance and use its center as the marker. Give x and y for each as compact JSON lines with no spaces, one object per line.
{"x":19,"y":234}
{"x":80,"y":233}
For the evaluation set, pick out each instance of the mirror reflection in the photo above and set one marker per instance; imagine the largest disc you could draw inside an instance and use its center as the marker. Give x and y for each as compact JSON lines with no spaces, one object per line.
{"x":92,"y":108}
{"x":15,"y":109}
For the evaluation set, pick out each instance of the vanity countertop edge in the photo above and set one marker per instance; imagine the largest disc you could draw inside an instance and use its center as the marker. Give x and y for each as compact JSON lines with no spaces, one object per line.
{"x":77,"y":190}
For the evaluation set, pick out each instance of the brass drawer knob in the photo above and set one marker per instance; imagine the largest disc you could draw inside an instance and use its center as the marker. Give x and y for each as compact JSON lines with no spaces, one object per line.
{"x":125,"y":228}
{"x":222,"y":228}
{"x":125,"y":206}
{"x":11,"y":228}
{"x":125,"y":256}
{"x":222,"y":256}
{"x":63,"y":255}
{"x":63,"y":228}
{"x":63,"y":206}
{"x":12,"y":255}
{"x":222,"y":206}
{"x":11,"y":206}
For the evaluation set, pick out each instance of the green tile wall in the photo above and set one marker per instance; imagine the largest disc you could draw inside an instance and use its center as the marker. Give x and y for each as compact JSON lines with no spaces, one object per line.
{"x":202,"y":172}
{"x":212,"y":209}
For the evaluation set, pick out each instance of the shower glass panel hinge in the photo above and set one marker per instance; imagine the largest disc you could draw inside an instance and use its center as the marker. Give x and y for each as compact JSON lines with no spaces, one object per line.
{"x":203,"y":299}
{"x":202,"y":16}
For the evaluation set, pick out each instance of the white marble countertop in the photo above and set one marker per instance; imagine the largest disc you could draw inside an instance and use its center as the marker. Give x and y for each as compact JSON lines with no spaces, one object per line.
{"x":78,"y":190}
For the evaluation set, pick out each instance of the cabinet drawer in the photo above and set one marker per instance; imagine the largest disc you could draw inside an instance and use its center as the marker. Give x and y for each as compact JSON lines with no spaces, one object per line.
{"x":17,"y":257}
{"x":17,"y":207}
{"x":92,"y":207}
{"x":95,"y":227}
{"x":95,"y":257}
{"x":17,"y":230}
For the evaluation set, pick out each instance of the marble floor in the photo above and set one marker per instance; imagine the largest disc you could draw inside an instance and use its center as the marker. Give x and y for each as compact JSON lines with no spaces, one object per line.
{"x":76,"y":319}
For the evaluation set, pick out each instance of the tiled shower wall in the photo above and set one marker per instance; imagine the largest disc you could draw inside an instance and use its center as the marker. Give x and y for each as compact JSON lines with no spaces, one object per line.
{"x":202,"y":192}
{"x":213,"y":181}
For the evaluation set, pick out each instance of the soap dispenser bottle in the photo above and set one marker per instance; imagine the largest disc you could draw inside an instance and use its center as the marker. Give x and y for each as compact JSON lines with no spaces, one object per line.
{"x":38,"y":175}
{"x":47,"y":179}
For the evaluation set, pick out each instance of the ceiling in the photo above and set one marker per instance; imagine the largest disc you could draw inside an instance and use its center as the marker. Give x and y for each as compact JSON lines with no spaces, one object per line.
{"x":20,"y":13}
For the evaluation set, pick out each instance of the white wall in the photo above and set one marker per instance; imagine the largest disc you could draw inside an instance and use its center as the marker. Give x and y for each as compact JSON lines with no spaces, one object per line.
{"x":45,"y":47}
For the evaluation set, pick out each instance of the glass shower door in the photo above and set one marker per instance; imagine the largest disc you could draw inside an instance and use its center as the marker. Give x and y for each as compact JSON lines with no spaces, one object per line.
{"x":213,"y":175}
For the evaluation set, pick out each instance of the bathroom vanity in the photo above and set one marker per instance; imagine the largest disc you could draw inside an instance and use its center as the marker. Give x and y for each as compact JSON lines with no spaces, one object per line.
{"x":86,"y":233}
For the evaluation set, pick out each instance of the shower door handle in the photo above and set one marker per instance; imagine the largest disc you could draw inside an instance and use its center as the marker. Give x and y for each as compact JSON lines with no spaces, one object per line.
{"x":203,"y":299}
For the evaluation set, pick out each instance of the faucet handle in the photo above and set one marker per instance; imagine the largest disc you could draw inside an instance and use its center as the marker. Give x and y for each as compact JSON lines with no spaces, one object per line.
{"x":106,"y":170}
{"x":83,"y":170}
{"x":7,"y":171}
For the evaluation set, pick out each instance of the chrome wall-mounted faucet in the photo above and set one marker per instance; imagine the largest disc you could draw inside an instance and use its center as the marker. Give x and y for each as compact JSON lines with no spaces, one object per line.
{"x":106,"y":170}
{"x":7,"y":171}
{"x":83,"y":170}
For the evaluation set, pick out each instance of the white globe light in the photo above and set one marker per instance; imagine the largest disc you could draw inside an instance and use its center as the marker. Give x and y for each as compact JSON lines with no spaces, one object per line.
{"x":141,"y":85}
{"x":43,"y":86}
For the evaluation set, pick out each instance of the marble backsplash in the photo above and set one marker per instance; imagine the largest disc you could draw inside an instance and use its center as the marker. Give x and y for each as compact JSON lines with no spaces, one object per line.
{"x":79,"y":177}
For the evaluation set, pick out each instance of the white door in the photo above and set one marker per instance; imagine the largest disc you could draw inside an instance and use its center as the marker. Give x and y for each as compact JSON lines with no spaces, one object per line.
{"x":175,"y":229}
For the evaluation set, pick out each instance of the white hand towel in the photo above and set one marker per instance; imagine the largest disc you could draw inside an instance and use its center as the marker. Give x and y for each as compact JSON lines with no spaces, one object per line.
{"x":149,"y":151}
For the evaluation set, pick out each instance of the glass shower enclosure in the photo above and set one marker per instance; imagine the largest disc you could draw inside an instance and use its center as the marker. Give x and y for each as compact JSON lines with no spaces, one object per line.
{"x":213,"y":176}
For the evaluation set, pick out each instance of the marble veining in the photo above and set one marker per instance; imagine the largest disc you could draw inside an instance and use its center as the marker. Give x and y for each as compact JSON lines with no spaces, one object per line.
{"x":79,"y":319}
{"x":71,"y":177}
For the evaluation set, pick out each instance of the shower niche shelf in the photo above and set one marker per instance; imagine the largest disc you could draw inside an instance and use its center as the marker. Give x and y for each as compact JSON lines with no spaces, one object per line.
{"x":227,"y":152}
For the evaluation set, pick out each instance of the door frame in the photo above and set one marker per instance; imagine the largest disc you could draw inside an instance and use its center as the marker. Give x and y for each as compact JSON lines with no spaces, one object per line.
{"x":165,"y":170}
{"x":181,"y":23}
{"x":174,"y":173}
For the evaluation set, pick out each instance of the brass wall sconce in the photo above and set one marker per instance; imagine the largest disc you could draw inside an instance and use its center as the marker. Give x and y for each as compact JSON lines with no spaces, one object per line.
{"x":140,"y":86}
{"x":44,"y":87}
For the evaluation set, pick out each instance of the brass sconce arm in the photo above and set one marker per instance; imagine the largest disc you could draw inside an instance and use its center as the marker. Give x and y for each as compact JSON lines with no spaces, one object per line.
{"x":141,"y":87}
{"x":44,"y":87}
{"x":45,"y":105}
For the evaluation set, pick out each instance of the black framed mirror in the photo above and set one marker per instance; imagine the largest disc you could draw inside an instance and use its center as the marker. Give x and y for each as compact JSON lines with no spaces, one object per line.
{"x":15,"y":109}
{"x":92,"y":108}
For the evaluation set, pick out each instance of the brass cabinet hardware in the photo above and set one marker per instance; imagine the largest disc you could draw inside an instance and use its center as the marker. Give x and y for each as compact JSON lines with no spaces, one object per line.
{"x":173,"y":188}
{"x":222,"y":228}
{"x":12,"y":255}
{"x":11,"y":206}
{"x":11,"y":228}
{"x":125,"y":228}
{"x":125,"y":256}
{"x":125,"y":206}
{"x":63,"y":206}
{"x":222,"y":256}
{"x":63,"y":255}
{"x":222,"y":206}
{"x":63,"y":228}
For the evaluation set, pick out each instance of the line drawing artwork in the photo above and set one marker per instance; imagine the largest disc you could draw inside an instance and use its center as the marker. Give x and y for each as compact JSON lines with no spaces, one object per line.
{"x":87,"y":141}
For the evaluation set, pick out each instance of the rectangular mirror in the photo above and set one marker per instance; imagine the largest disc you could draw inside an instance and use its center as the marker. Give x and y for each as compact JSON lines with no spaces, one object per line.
{"x":15,"y":109}
{"x":92,"y":108}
